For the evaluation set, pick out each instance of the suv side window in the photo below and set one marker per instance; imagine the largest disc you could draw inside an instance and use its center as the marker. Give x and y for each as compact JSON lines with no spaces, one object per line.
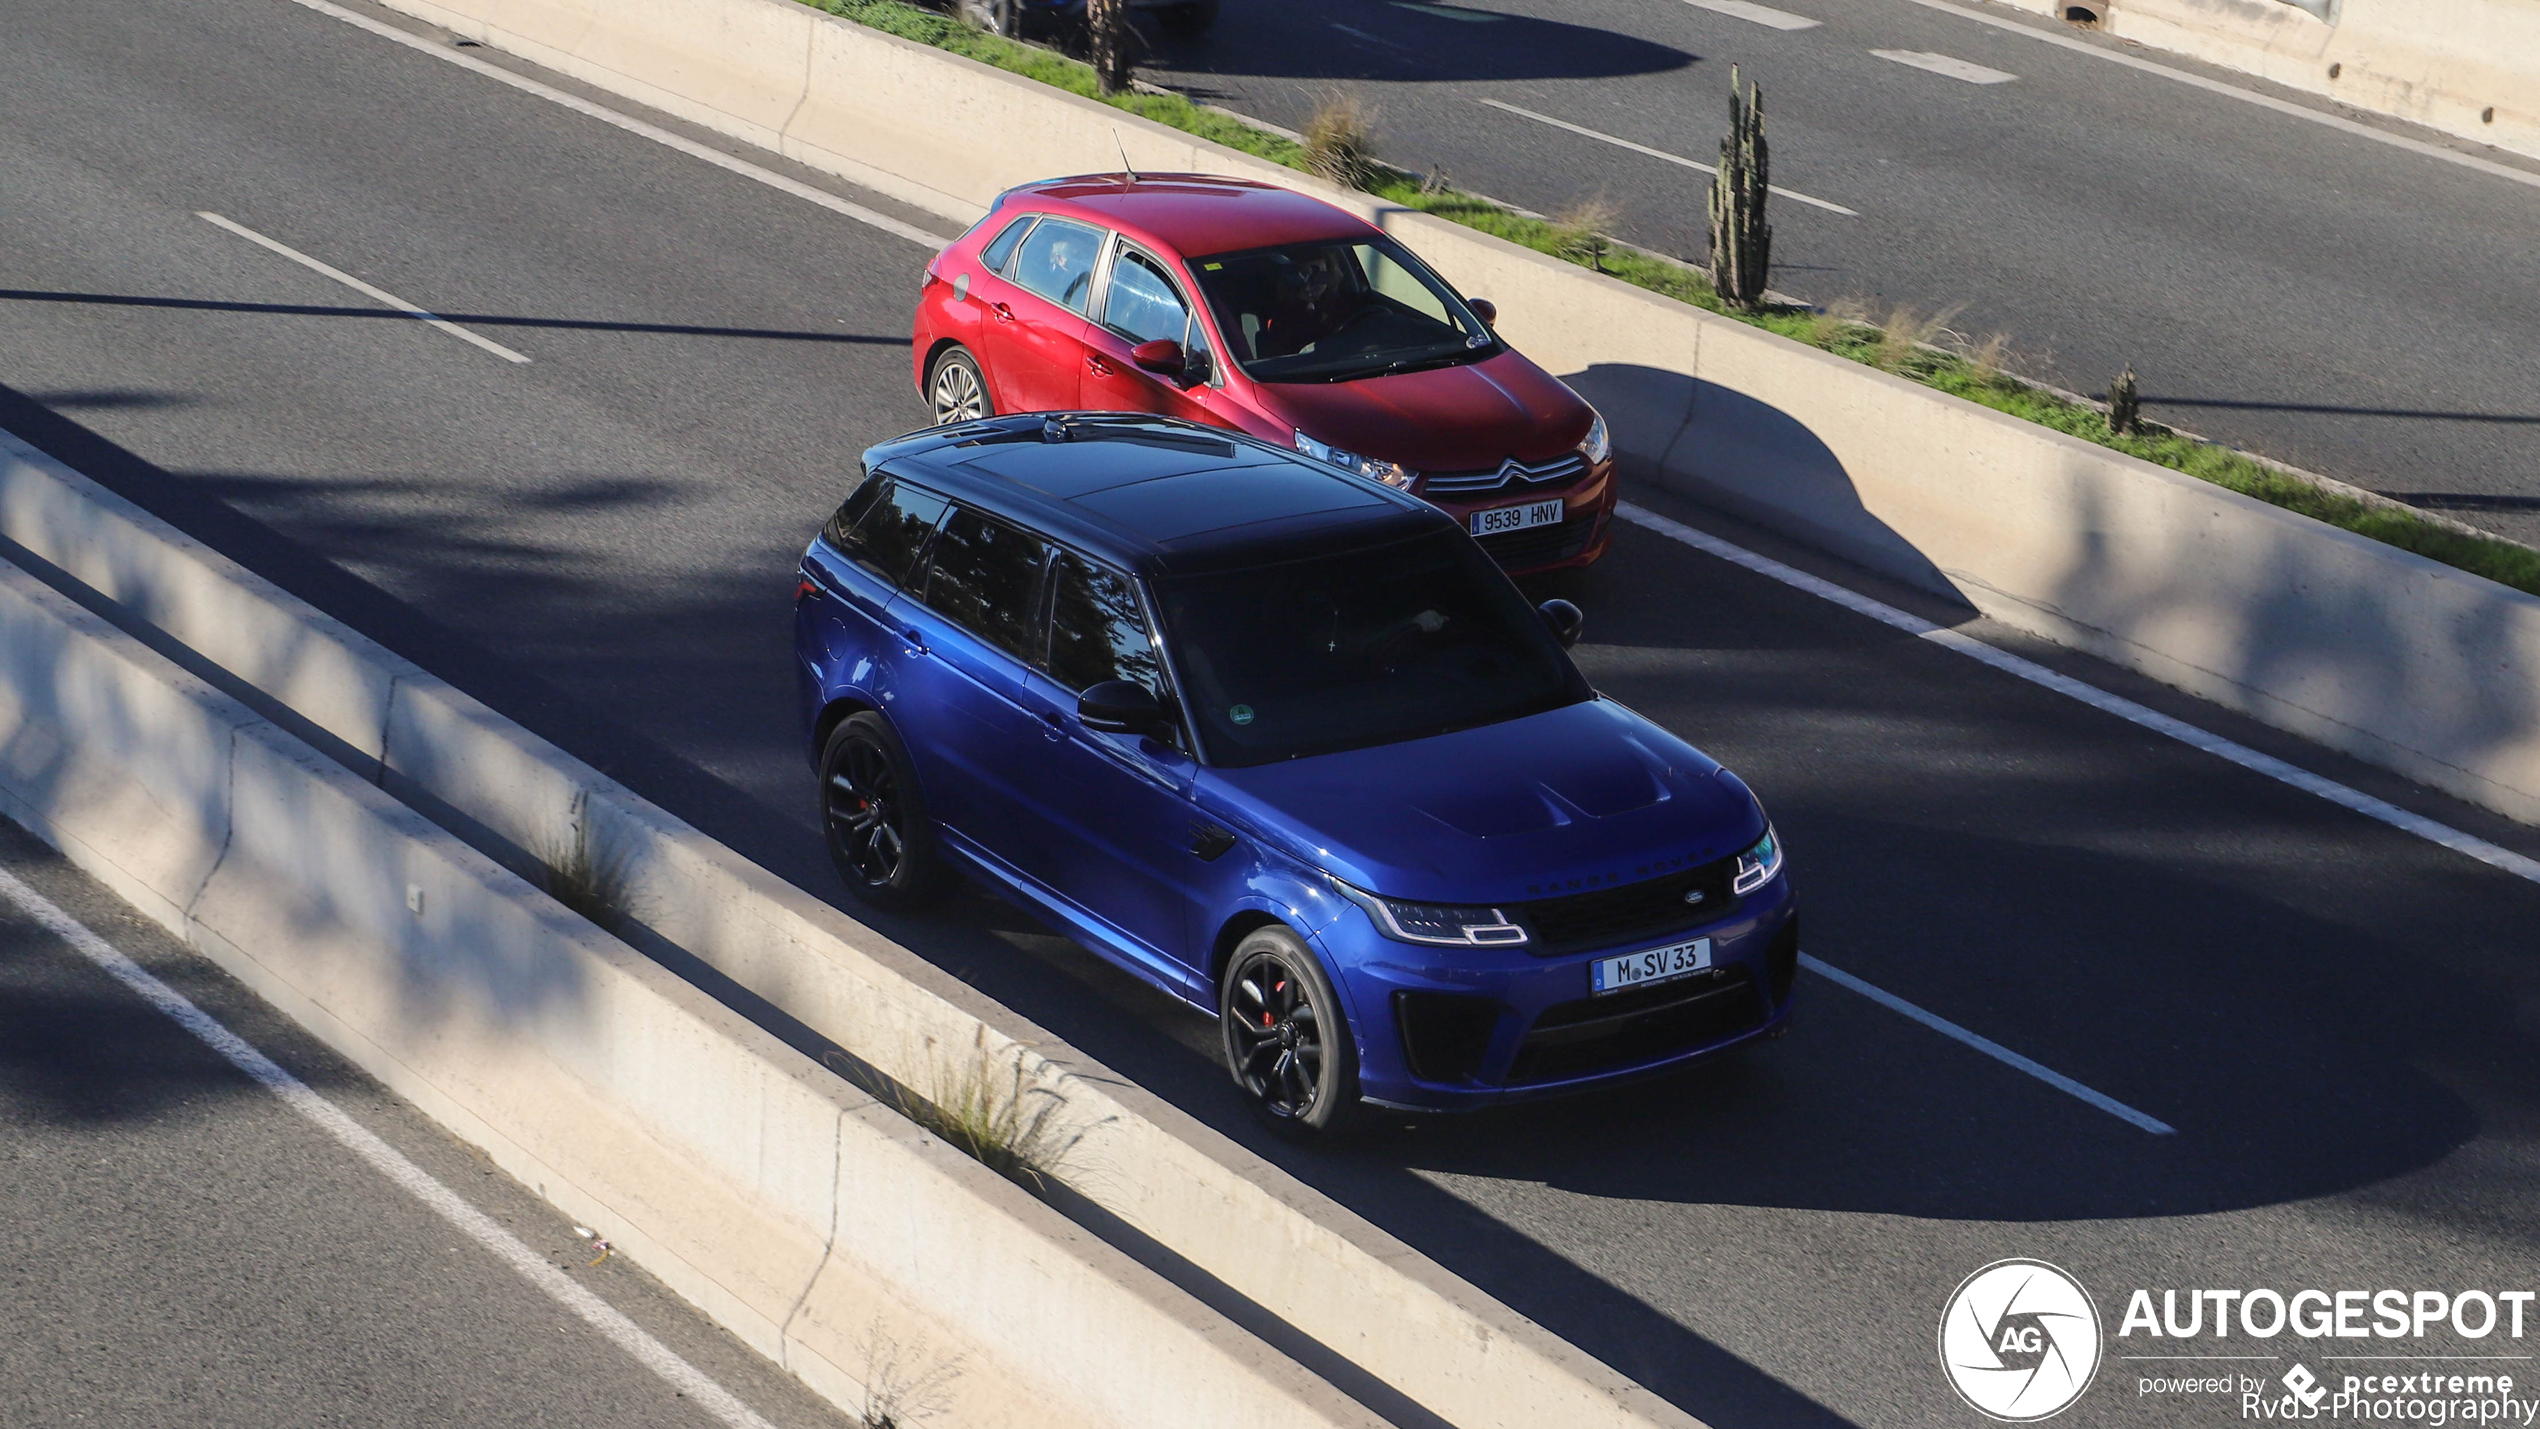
{"x":987,"y":579}
{"x":994,"y":255}
{"x":1141,"y":302}
{"x":890,"y":530}
{"x":1098,"y":631}
{"x":1057,"y":262}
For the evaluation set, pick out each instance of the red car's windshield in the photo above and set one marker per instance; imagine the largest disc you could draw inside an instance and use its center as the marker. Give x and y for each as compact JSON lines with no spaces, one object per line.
{"x":1336,"y":310}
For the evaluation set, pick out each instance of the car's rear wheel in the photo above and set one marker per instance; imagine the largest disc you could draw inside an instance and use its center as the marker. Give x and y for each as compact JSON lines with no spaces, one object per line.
{"x":1287,"y":1043}
{"x":878,"y":831}
{"x":957,"y":389}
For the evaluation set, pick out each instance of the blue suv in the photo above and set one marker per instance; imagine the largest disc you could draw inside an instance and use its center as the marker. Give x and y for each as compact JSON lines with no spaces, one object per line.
{"x":1285,"y":743}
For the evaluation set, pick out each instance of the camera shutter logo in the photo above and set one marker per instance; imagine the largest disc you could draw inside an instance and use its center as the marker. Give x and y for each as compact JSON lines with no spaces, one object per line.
{"x":2019,"y":1340}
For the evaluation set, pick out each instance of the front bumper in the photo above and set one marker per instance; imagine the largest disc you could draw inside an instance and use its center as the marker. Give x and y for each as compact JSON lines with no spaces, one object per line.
{"x":1443,"y":1029}
{"x":1587,"y":506}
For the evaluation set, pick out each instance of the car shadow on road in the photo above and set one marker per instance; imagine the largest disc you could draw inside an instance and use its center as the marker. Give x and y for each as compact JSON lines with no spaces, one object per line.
{"x":1411,"y":40}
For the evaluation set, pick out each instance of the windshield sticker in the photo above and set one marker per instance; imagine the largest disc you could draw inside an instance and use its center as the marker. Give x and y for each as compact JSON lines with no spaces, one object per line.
{"x":1240,"y":714}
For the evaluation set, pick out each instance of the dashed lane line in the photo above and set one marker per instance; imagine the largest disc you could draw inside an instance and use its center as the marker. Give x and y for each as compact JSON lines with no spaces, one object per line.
{"x":381,"y":295}
{"x":1678,"y":159}
{"x":680,"y":142}
{"x":1756,"y":14}
{"x":1950,"y":66}
{"x":611,"y":1323}
{"x":1989,"y":1047}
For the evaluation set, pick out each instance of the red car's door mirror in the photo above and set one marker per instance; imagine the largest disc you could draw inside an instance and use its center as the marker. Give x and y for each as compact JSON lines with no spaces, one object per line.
{"x":1162,"y":356}
{"x":1484,"y":309}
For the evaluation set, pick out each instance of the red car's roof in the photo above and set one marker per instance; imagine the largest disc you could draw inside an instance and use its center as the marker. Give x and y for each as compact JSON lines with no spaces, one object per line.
{"x":1198,"y":214}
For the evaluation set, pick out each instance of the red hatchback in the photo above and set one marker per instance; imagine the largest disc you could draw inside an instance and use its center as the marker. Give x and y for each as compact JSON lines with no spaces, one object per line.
{"x":1311,"y":327}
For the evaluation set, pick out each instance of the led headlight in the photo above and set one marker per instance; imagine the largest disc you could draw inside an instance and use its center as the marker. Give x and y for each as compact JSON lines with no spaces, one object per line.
{"x":1757,"y":865}
{"x":1391,"y":473}
{"x":1432,"y":923}
{"x":1596,"y":446}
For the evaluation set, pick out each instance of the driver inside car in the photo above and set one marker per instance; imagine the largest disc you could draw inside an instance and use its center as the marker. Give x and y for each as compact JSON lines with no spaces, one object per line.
{"x":1315,"y":300}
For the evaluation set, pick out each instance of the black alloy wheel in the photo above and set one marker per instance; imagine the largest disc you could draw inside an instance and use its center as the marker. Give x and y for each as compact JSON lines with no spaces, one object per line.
{"x":957,"y":391}
{"x":1286,"y":1042}
{"x":878,"y":831}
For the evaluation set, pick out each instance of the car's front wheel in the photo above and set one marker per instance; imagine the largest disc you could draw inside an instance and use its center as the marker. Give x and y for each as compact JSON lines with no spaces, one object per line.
{"x":1287,"y":1043}
{"x":879,"y":833}
{"x":958,"y":390}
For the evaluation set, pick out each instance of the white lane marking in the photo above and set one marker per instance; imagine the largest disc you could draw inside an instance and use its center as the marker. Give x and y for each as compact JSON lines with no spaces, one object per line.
{"x":1990,"y":1048}
{"x":2247,"y":96}
{"x":1678,"y":159}
{"x":358,"y":1139}
{"x":1379,"y":41}
{"x":635,"y":126}
{"x":385,"y":297}
{"x":2502,"y":859}
{"x":1948,"y":65}
{"x":1758,"y":14}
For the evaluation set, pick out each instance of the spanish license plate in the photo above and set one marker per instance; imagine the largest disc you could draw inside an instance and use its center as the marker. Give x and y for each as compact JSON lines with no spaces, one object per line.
{"x":1517,"y":518}
{"x":1656,"y":965}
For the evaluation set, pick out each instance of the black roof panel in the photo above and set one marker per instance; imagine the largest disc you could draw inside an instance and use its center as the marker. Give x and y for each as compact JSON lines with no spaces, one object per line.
{"x":1154,"y":494}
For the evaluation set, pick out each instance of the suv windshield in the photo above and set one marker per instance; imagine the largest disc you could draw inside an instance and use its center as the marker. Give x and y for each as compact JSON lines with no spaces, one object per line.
{"x":1367,"y":647}
{"x":1337,"y":310}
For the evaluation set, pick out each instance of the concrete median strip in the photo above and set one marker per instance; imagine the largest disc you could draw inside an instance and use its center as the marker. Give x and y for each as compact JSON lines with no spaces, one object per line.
{"x":805,"y":1216}
{"x":1362,"y":1295}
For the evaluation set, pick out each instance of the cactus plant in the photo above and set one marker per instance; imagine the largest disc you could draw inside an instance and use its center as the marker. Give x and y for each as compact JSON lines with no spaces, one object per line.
{"x":2125,"y":406}
{"x":1741,"y":241}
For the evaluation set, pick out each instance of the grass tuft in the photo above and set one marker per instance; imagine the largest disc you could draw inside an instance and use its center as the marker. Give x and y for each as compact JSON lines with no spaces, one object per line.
{"x":989,"y":1113}
{"x":585,"y":874}
{"x":1903,"y":344}
{"x":1340,"y":140}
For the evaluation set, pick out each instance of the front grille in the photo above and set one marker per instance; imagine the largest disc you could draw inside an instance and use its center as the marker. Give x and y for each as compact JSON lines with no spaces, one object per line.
{"x":1444,"y":1036}
{"x":1632,"y":912}
{"x":1524,"y":550}
{"x":1574,"y":1039}
{"x":1544,"y":476}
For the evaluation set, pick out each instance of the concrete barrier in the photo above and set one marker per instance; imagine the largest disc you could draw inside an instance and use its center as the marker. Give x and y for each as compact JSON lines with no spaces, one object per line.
{"x":1367,"y":1298}
{"x":814,"y":1222}
{"x":2397,"y":660}
{"x":2466,"y":67}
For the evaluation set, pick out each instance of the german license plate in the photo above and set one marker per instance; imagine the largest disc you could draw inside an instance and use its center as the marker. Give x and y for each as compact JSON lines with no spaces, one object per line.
{"x":1656,"y":965}
{"x":1516,"y":518}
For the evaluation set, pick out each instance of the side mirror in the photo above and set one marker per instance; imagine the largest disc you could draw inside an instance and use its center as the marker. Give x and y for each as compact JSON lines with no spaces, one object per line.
{"x":1120,"y":707}
{"x":1162,"y":356}
{"x":1566,"y":621}
{"x":1484,"y":309}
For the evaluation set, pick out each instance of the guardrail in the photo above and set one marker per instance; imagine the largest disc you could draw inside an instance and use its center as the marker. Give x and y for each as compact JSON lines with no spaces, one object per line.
{"x":819,"y":1225}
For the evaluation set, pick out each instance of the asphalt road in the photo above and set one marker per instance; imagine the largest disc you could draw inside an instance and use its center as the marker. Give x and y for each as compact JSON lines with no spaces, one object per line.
{"x":178,"y":1246}
{"x":2338,"y":1019}
{"x":2351,"y":308}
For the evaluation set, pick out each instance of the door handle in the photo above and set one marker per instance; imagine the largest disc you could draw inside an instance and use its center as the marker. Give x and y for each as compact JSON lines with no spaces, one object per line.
{"x":1098,"y":367}
{"x":916,"y":641}
{"x":1052,"y":725}
{"x":1004,"y":314}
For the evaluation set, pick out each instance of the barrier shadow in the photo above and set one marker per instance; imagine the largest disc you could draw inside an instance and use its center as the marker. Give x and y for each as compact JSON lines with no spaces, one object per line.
{"x":1754,"y":461}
